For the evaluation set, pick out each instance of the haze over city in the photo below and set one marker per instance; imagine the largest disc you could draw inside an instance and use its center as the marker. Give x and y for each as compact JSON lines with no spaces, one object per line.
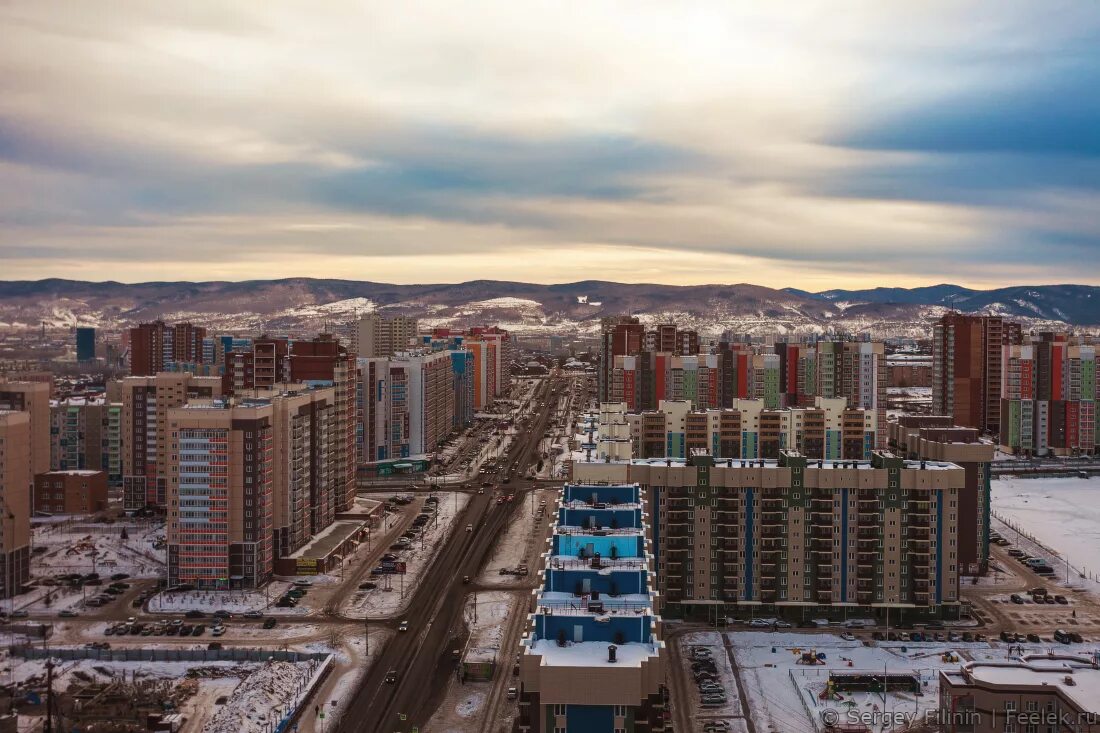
{"x":774,"y":143}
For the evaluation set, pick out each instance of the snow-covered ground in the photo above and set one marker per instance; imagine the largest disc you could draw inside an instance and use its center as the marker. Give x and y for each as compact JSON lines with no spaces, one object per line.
{"x":234,"y":601}
{"x":524,"y":535}
{"x":1062,"y":514}
{"x":382,"y":603}
{"x":77,"y":546}
{"x":785,"y":695}
{"x":485,"y":615}
{"x":264,"y":697}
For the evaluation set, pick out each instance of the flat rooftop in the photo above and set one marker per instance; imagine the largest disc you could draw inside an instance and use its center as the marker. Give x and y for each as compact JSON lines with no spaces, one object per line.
{"x":605,"y":505}
{"x":1044,"y":671}
{"x":329,"y":539}
{"x":591,"y":653}
{"x":626,"y":604}
{"x":607,"y":565}
{"x":575,"y":531}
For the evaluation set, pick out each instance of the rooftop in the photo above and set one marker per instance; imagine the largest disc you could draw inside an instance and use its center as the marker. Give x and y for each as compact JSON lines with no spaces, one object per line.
{"x":1044,"y":671}
{"x":592,"y":653}
{"x":607,"y":565}
{"x":811,"y":464}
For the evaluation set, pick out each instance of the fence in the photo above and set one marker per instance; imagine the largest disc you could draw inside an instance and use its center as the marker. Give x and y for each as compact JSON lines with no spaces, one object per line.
{"x":28,"y":651}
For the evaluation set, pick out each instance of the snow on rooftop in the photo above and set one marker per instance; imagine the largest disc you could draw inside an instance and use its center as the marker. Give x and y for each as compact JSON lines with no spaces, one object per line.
{"x":592,"y":653}
{"x":1084,"y":689}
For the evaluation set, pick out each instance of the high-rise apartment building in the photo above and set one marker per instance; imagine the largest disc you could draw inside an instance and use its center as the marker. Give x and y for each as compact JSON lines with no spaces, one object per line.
{"x":619,"y":336}
{"x":87,"y":436}
{"x":1048,"y":397}
{"x":374,"y":335}
{"x":828,"y":429}
{"x":408,"y":404}
{"x":34,"y":399}
{"x":967,"y":363}
{"x":220,"y":487}
{"x":154,"y":346}
{"x":797,"y":537}
{"x":145,"y":404}
{"x":260,"y":364}
{"x":936,"y":438}
{"x":85,"y":344}
{"x":592,"y":659}
{"x":15,"y":500}
{"x":322,"y":361}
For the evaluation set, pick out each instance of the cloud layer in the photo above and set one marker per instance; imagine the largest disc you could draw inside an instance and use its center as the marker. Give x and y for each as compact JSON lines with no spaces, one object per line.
{"x":807,"y":144}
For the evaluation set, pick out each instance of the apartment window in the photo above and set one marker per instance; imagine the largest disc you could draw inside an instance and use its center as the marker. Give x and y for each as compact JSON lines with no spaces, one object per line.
{"x":620,"y":712}
{"x":1010,"y":706}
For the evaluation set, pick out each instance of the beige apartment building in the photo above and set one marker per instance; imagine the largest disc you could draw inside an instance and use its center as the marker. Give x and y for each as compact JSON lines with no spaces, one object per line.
{"x":220,"y":462}
{"x":15,"y":476}
{"x":798,"y":537}
{"x":374,"y":335}
{"x":145,"y":405}
{"x":34,"y":399}
{"x":1040,"y":693}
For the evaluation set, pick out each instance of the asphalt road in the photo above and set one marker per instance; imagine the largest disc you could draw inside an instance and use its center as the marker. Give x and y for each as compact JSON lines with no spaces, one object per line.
{"x":421,"y":656}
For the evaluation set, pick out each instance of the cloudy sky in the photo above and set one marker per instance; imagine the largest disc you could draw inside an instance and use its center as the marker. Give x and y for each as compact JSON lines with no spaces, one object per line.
{"x":807,"y":144}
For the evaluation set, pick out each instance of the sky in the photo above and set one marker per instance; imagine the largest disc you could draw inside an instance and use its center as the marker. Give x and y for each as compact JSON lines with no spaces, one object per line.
{"x":804,"y":144}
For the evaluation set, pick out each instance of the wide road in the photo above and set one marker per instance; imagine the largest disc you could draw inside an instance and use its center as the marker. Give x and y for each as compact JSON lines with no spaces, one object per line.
{"x":421,"y":656}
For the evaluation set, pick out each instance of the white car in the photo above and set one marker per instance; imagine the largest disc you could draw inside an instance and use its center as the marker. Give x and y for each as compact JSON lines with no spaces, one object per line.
{"x":217,"y":630}
{"x":469,"y":528}
{"x":761,"y":622}
{"x":847,"y":636}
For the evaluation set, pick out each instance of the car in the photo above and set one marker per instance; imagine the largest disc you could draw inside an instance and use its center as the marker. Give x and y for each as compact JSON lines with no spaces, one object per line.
{"x":1016,"y":598}
{"x":469,"y":528}
{"x":481,"y":491}
{"x":1037,"y":591}
{"x":1048,"y":600}
{"x":270,"y":623}
{"x":254,"y":614}
{"x":403,"y":626}
{"x":953,"y":636}
{"x":214,"y":646}
{"x":217,"y":631}
{"x":878,"y":636}
{"x":120,"y":576}
{"x":848,"y":636}
{"x":1015,"y":553}
{"x":199,"y":630}
{"x":285,"y":603}
{"x":1076,"y":638}
{"x":121,"y":586}
{"x":760,"y":623}
{"x":19,"y":613}
{"x":716,"y":726}
{"x":368,"y":585}
{"x":222,"y":613}
{"x":391,"y":677}
{"x":195,"y":614}
{"x":389,"y":556}
{"x":1033,"y":638}
{"x":513,"y":693}
{"x":303,"y":582}
{"x":185,"y":630}
{"x":1007,"y":636}
{"x":967,"y":636}
{"x":67,"y":613}
{"x":1062,"y":637}
{"x":171,"y":630}
{"x":1061,"y":600}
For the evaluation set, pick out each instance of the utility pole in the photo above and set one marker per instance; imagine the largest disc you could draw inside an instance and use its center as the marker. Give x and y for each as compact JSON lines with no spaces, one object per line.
{"x":49,"y":697}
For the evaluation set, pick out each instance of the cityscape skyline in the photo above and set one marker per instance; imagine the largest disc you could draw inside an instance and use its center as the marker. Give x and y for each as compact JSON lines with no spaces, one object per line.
{"x":680,"y":145}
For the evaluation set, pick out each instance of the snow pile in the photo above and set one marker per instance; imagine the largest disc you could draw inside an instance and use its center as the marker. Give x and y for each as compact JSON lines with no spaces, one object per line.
{"x":267,"y":694}
{"x":470,"y":705}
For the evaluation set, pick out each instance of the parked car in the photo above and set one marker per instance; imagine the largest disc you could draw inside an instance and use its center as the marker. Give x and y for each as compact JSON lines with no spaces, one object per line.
{"x":368,"y":585}
{"x":1061,"y":600}
{"x":195,"y":614}
{"x":222,"y":613}
{"x":217,"y":631}
{"x":1016,"y":598}
{"x":1062,"y":637}
{"x":254,"y":614}
{"x":1033,"y":638}
{"x":67,"y":613}
{"x":270,"y":623}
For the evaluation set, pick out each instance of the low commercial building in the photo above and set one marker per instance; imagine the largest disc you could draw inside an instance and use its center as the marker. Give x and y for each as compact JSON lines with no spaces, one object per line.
{"x":1048,"y":692}
{"x":592,"y":659}
{"x":798,"y":537}
{"x":70,"y":492}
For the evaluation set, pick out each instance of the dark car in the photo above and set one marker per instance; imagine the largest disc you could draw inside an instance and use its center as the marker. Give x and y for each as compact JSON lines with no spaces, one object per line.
{"x":214,"y":646}
{"x":1033,"y":638}
{"x":878,"y":636}
{"x":222,"y":613}
{"x":1061,"y":600}
{"x":368,"y":585}
{"x":285,"y":603}
{"x":195,"y":614}
{"x":391,"y":677}
{"x":389,"y":556}
{"x":1008,"y":636}
{"x":270,"y":623}
{"x":1016,"y":598}
{"x":120,"y":576}
{"x":199,"y":630}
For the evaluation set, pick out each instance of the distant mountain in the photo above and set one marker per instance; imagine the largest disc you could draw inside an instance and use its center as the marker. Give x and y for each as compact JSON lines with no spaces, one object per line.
{"x":1072,"y":304}
{"x":302,"y":304}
